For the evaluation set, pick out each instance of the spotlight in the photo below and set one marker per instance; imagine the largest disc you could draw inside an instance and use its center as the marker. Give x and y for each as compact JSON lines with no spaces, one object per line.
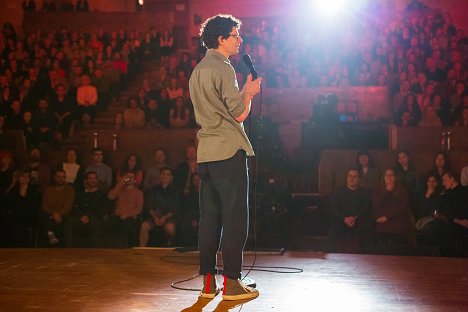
{"x":141,"y":2}
{"x":330,"y":7}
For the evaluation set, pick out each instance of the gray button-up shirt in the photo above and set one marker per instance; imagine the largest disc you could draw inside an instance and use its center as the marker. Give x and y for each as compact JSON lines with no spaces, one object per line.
{"x":217,"y":102}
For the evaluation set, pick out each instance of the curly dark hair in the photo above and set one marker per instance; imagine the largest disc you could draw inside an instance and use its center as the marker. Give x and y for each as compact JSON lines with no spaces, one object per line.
{"x":215,"y":26}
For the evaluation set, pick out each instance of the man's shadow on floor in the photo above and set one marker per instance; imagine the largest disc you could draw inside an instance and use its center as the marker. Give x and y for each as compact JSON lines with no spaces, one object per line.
{"x":223,"y":305}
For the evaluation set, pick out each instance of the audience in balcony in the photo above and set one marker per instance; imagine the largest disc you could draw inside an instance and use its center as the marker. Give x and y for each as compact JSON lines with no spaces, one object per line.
{"x":134,"y":116}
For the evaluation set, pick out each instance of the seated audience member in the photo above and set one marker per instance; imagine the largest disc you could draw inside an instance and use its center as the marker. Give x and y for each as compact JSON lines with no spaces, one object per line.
{"x":118,"y":122}
{"x":40,"y":171}
{"x":351,"y":212}
{"x":153,"y":115}
{"x":174,"y":90}
{"x":44,"y":120}
{"x":464,"y":176}
{"x":90,"y":210}
{"x":14,"y":116}
{"x":162,"y":206}
{"x":28,"y":5}
{"x":441,"y":165}
{"x":454,"y":208}
{"x":134,"y":117}
{"x":73,"y":170}
{"x":22,"y":203}
{"x":132,"y":163}
{"x":407,"y":176}
{"x":430,"y":118}
{"x":409,"y":113}
{"x":57,"y":202}
{"x":6,"y":172}
{"x":390,"y":203}
{"x":179,"y":115}
{"x":103,"y":171}
{"x":86,"y":98}
{"x":463,"y":119}
{"x":165,"y":107}
{"x":432,"y":227}
{"x":63,"y":107}
{"x":185,"y":170}
{"x":29,"y":130}
{"x":103,"y":86}
{"x":127,"y":207}
{"x":82,"y":6}
{"x":190,"y":214}
{"x":153,"y":174}
{"x":7,"y":142}
{"x":369,"y":175}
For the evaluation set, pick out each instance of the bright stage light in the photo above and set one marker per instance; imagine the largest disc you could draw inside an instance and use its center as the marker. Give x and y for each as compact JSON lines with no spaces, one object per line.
{"x":330,"y":7}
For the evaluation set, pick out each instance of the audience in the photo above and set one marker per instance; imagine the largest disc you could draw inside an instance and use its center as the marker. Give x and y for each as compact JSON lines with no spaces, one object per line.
{"x":162,"y":204}
{"x":351,"y":217}
{"x":103,"y":171}
{"x":90,"y":210}
{"x":391,"y":213}
{"x":127,"y":207}
{"x":57,"y":202}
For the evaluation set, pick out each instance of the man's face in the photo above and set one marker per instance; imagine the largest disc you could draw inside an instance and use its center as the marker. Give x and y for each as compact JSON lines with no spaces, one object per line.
{"x":232,"y":44}
{"x":352,"y":179}
{"x":91,"y":180}
{"x":59,"y":178}
{"x":447,"y":181}
{"x":35,"y":155}
{"x":160,"y":157}
{"x":97,"y":155}
{"x":166,"y":177}
{"x":191,"y":153}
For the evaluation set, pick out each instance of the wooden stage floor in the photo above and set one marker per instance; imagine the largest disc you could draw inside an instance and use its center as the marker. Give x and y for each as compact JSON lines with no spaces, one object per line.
{"x":139,"y":280}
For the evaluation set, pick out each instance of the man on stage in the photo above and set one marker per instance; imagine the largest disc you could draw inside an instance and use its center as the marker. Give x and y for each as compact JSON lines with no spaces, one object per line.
{"x":223,"y":147}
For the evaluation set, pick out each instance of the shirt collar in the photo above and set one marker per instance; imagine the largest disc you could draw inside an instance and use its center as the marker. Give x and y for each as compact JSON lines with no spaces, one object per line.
{"x":218,"y":55}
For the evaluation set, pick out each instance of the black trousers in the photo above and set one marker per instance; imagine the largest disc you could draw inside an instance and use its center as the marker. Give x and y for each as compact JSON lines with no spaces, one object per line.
{"x":224,"y":213}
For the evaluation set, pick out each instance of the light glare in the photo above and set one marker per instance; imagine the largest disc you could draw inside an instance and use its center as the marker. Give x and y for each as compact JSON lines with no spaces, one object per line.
{"x":330,"y":7}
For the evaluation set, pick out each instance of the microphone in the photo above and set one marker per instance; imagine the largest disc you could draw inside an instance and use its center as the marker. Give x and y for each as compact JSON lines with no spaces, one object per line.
{"x":248,"y":61}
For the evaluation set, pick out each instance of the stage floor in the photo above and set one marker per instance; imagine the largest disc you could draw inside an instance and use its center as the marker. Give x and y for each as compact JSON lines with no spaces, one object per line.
{"x":139,"y":280}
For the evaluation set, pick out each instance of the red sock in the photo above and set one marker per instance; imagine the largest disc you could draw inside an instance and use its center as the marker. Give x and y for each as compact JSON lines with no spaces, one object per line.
{"x":208,"y":282}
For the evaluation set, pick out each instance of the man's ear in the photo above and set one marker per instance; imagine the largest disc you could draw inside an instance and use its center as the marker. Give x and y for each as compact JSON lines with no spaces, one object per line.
{"x":220,"y":40}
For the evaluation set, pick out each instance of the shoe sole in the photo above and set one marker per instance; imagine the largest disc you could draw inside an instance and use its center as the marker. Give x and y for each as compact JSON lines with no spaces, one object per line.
{"x":209,"y":296}
{"x":241,"y":297}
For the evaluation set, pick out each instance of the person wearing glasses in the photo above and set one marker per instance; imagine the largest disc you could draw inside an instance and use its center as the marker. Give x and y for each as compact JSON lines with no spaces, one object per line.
{"x":223,"y":147}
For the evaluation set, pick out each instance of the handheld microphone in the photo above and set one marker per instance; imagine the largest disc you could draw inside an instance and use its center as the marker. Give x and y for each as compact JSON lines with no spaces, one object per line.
{"x":248,"y":62}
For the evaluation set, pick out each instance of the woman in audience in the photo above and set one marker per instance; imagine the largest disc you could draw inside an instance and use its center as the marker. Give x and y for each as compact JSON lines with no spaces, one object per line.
{"x":131,"y":164}
{"x":406,"y":174}
{"x":74,"y":171}
{"x":430,"y":118}
{"x":370,"y":176}
{"x":463,"y":120}
{"x":23,"y":203}
{"x":441,"y":165}
{"x":410,"y":107}
{"x":134,"y":117}
{"x":29,"y":129}
{"x":391,"y":210}
{"x":179,"y":114}
{"x":432,"y":227}
{"x":174,"y":90}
